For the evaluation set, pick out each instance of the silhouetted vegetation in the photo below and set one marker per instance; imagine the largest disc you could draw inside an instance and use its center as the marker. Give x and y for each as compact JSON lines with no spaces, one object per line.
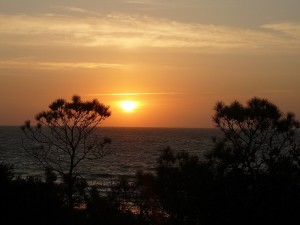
{"x":251,"y":176}
{"x":256,"y":139}
{"x":64,"y":136}
{"x":29,"y":201}
{"x":32,"y":201}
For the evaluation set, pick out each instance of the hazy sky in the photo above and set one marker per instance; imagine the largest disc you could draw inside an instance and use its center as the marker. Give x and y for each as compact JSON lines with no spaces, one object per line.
{"x":176,"y":58}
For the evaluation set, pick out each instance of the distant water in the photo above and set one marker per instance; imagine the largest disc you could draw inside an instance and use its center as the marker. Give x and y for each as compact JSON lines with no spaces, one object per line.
{"x":131,"y":149}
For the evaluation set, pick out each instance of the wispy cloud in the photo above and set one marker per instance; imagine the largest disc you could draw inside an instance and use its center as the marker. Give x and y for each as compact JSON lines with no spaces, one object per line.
{"x":55,"y":65}
{"x":121,"y":30}
{"x":142,"y":2}
{"x":145,"y":2}
{"x":135,"y":94}
{"x":77,"y":10}
{"x":277,"y":91}
{"x":289,"y":29}
{"x":163,"y":4}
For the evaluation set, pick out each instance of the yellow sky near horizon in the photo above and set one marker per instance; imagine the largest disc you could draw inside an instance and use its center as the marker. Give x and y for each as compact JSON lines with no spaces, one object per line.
{"x":177,"y":60}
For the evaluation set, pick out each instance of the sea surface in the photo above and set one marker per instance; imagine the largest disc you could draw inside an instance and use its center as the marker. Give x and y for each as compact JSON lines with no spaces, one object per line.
{"x":131,"y":149}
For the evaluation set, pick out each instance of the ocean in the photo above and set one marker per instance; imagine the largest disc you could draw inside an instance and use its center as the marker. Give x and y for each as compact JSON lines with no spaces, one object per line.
{"x":131,"y":149}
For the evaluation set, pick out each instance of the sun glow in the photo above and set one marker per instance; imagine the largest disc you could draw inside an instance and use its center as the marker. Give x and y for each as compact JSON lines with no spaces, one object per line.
{"x":128,"y":106}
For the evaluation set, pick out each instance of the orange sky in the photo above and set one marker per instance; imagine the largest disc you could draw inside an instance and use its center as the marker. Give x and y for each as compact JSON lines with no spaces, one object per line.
{"x":177,"y":60}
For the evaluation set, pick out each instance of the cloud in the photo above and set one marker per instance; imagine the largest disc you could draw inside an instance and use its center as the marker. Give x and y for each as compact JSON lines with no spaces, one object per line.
{"x":55,"y":65}
{"x":142,"y":2}
{"x":145,"y":3}
{"x":277,"y":91}
{"x":119,"y":30}
{"x":135,"y":94}
{"x":162,"y":4}
{"x":77,"y":10}
{"x":290,"y":29}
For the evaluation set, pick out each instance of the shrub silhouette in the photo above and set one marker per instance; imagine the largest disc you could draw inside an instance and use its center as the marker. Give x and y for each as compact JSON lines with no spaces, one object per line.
{"x":29,"y":201}
{"x":106,"y":210}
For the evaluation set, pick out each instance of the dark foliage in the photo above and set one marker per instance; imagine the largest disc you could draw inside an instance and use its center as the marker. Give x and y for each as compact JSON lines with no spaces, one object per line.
{"x":29,"y":201}
{"x":107,"y":210}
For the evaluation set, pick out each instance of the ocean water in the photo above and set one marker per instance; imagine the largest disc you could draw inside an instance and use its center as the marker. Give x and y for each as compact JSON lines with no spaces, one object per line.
{"x":131,"y":149}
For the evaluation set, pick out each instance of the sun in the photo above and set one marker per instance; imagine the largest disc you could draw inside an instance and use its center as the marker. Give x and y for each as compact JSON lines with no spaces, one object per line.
{"x":128,"y":106}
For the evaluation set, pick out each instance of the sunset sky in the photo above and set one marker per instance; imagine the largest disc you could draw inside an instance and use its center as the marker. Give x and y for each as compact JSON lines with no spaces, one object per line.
{"x":173,"y":58}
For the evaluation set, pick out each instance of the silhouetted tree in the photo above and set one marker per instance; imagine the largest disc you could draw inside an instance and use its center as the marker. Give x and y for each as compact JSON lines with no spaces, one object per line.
{"x":256,"y":136}
{"x":256,"y":162}
{"x":65,"y":135}
{"x":251,"y":176}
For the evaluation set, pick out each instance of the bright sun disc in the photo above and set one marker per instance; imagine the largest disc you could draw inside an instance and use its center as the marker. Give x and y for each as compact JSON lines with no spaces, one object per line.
{"x":128,"y":106}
